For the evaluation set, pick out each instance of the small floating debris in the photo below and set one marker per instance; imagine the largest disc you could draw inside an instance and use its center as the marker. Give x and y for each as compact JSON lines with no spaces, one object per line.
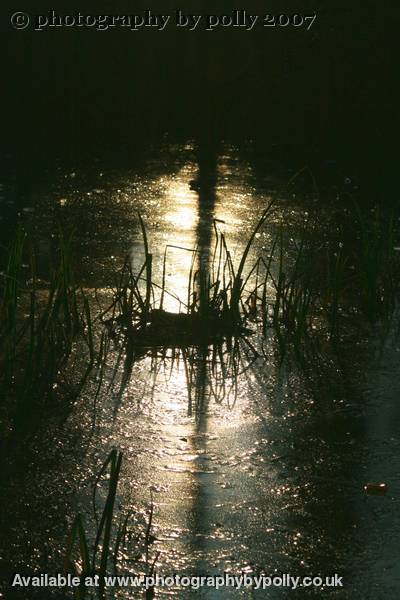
{"x":375,"y":489}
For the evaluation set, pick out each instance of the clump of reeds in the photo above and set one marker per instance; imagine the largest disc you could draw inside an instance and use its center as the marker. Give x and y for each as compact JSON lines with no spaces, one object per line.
{"x":38,"y":326}
{"x":377,"y":261}
{"x":96,"y":550}
{"x":213,"y":310}
{"x":320,"y":286}
{"x":87,"y":562}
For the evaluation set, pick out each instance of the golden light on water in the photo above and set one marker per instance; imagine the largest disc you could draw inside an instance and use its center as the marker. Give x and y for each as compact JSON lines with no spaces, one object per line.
{"x":188,"y":223}
{"x":182,"y":217}
{"x":183,"y":205}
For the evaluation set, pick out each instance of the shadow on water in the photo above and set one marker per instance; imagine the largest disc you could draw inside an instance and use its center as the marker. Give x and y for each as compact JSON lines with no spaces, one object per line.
{"x":205,"y":185}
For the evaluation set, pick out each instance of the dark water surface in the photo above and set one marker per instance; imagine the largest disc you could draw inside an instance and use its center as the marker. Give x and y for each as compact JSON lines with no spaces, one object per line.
{"x":257,"y":471}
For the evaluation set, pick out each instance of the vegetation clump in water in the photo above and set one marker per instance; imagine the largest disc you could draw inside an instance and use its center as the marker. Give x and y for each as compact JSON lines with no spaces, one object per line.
{"x":215,"y":307}
{"x":39,"y":324}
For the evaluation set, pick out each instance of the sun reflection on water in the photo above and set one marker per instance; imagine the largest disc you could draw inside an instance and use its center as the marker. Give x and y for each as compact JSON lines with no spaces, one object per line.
{"x":182,"y":204}
{"x":200,"y":431}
